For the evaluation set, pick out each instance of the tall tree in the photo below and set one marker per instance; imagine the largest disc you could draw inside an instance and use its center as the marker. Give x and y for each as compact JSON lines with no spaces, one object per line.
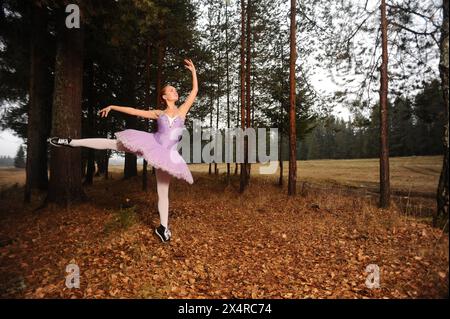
{"x":385,"y":191}
{"x":65,"y":164}
{"x":442,"y":195}
{"x":19,"y":160}
{"x":219,"y":76}
{"x":281,"y":115}
{"x":227,"y":66}
{"x":39,"y":109}
{"x":129,"y":97}
{"x":248,"y":85}
{"x":148,"y":102}
{"x":243,"y":172}
{"x":429,"y":120}
{"x":292,"y":181}
{"x":90,"y":94}
{"x":401,"y":126}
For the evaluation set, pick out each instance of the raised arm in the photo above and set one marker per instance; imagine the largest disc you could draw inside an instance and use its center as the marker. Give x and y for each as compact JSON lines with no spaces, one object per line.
{"x":150,"y":114}
{"x":184,"y":108}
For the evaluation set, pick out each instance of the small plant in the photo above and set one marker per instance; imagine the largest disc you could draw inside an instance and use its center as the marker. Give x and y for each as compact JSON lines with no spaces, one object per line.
{"x":122,"y":219}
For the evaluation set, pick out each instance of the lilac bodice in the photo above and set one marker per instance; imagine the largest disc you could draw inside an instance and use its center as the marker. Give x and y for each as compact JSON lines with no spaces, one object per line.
{"x":169,"y":130}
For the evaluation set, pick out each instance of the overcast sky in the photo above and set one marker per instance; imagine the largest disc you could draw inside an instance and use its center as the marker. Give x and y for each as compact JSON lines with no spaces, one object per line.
{"x":320,"y":80}
{"x":9,"y":143}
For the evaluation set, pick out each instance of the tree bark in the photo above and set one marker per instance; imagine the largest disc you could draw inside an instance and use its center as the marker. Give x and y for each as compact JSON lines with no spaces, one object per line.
{"x":248,"y":88}
{"x":130,"y":167}
{"x":385,"y":191}
{"x":39,"y":113}
{"x":90,"y":170}
{"x":148,"y":102}
{"x":228,"y":81}
{"x":243,"y":172}
{"x":281,"y":126}
{"x":292,"y":182}
{"x":441,"y":216}
{"x":102,"y":156}
{"x":65,"y":170}
{"x":216,"y":170}
{"x":280,"y":148}
{"x":238,"y":115}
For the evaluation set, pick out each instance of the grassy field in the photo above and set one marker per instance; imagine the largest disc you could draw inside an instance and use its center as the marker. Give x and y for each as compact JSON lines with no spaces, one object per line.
{"x":418,"y":175}
{"x":415,"y":175}
{"x":259,"y":244}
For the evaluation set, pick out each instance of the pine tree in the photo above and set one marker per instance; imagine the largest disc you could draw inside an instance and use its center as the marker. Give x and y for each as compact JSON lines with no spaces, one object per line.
{"x":401,"y":128}
{"x":19,"y":160}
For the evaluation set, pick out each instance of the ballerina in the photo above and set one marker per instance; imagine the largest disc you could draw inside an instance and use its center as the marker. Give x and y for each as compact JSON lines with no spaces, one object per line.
{"x":158,"y":149}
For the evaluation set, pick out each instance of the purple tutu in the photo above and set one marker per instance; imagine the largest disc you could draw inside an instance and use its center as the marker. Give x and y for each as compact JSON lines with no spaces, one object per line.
{"x":159,"y":149}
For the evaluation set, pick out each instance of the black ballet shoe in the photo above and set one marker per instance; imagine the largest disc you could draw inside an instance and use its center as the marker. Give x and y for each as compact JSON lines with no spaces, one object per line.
{"x":163,"y":233}
{"x":58,"y":142}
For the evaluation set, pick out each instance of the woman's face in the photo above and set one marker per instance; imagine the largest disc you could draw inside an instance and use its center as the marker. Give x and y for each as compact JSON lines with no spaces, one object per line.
{"x":170,"y":93}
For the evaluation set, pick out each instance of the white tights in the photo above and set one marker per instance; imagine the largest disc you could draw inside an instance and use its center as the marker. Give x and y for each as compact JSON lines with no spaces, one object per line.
{"x":97,"y":143}
{"x":162,"y":186}
{"x":162,"y":177}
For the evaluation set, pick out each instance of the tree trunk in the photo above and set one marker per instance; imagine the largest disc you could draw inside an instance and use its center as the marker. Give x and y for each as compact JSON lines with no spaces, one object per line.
{"x":148,"y":102}
{"x":280,"y":148}
{"x":39,"y":113}
{"x":441,"y":216}
{"x":211,"y":107}
{"x":243,"y":172}
{"x":65,"y":170}
{"x":228,"y":81}
{"x":106,"y":162}
{"x":210,"y":137}
{"x":248,"y":88}
{"x":280,"y":125}
{"x":161,"y":52}
{"x":384,"y":138}
{"x":90,"y":170}
{"x":238,"y":115}
{"x":130,"y":167}
{"x":216,"y":171}
{"x":292,"y":182}
{"x":102,"y":156}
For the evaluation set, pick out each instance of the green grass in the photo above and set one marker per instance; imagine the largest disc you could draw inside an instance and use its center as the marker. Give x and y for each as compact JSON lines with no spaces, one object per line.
{"x":121,"y":220}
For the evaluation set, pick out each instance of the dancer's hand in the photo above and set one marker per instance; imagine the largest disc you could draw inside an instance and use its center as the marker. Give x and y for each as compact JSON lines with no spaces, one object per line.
{"x":104,"y":112}
{"x":189,"y":65}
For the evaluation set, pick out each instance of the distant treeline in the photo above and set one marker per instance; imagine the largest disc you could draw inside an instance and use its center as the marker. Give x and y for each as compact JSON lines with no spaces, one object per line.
{"x":416,"y":128}
{"x":6,"y":161}
{"x":18,"y":161}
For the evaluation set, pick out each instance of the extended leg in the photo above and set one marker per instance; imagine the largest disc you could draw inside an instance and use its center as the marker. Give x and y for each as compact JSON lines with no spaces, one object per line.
{"x":97,"y":143}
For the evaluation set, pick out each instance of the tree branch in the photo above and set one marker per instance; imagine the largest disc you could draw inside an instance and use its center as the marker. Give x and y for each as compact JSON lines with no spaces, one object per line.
{"x":413,"y":12}
{"x":413,"y":31}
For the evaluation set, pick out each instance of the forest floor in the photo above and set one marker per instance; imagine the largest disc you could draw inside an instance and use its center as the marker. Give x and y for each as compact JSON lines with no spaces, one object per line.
{"x":259,"y":244}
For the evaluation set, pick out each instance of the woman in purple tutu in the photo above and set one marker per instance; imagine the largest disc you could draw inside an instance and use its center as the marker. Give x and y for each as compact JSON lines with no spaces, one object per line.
{"x":159,"y":149}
